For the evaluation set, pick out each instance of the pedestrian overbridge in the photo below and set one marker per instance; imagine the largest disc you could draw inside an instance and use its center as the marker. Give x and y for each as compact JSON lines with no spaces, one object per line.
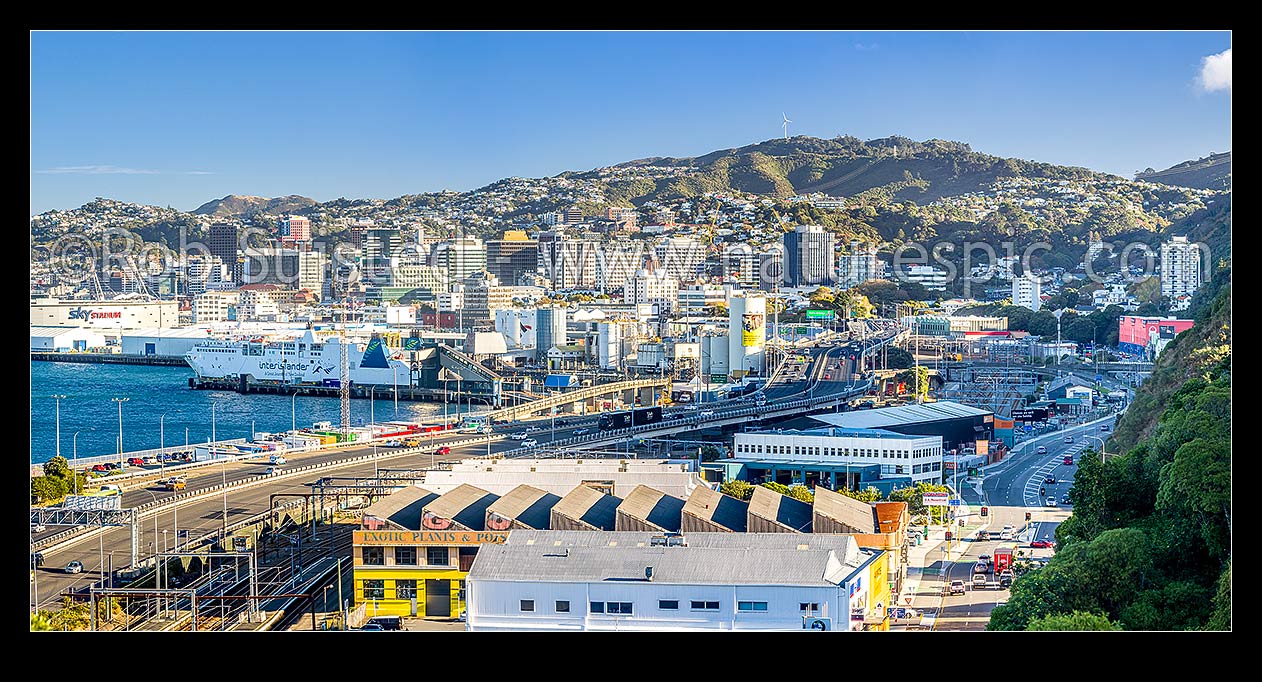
{"x":629,"y":390}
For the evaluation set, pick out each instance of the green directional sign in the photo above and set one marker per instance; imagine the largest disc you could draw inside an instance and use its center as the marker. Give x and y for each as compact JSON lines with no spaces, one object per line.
{"x":819,"y":314}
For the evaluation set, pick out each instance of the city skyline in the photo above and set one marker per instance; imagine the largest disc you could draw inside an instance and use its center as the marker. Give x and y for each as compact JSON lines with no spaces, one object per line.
{"x":152,"y":118}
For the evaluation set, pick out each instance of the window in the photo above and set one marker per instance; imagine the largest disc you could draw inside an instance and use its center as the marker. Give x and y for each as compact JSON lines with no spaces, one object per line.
{"x":751,"y":606}
{"x":597,"y":607}
{"x":668,"y":604}
{"x":620,"y":607}
{"x":527,"y":605}
{"x":436,"y":556}
{"x":404,"y":589}
{"x":705,"y":606}
{"x":374,"y":556}
{"x":808,"y":607}
{"x":563,"y":607}
{"x":374,"y":589}
{"x":405,"y":556}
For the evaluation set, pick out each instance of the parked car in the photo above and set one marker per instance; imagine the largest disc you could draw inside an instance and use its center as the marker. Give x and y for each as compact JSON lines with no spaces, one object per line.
{"x":100,"y":467}
{"x":387,"y":622}
{"x":957,"y":587}
{"x":371,"y":627}
{"x":149,"y":461}
{"x":74,"y":567}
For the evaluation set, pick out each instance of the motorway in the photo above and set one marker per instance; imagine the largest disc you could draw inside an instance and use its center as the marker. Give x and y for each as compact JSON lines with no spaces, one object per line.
{"x":206,"y":515}
{"x":1010,"y":490}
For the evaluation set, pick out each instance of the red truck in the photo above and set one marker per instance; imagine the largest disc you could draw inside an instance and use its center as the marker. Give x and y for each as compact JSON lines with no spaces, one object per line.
{"x":1003,"y":559}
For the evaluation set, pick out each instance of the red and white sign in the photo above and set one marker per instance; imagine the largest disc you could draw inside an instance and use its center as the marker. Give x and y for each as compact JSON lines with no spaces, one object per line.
{"x":935,"y":499}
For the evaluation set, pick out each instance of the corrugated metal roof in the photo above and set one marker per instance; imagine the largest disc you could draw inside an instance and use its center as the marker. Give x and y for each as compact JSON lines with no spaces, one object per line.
{"x":653,"y":506}
{"x":712,"y":505}
{"x":708,"y":558}
{"x":590,"y":506}
{"x":838,"y":432}
{"x":906,"y":414}
{"x":860,"y":516}
{"x":402,"y":508}
{"x":527,"y":505}
{"x":786,"y":511}
{"x":466,"y":505}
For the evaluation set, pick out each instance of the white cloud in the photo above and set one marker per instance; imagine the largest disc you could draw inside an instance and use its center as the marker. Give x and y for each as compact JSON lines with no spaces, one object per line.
{"x":1216,"y":72}
{"x":112,"y":170}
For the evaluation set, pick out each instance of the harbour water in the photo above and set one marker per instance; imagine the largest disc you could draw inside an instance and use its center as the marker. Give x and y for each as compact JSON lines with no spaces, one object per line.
{"x":156,"y":391}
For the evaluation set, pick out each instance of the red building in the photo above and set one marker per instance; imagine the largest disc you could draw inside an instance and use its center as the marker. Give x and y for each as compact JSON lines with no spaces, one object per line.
{"x":1133,"y":332}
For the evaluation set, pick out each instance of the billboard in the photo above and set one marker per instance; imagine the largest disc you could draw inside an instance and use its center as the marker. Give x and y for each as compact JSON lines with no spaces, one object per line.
{"x":819,"y":314}
{"x":935,"y":499}
{"x":753,"y":329}
{"x":983,"y":447}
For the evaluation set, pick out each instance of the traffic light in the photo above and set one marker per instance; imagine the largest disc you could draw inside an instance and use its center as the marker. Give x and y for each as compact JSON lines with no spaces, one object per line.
{"x":1027,"y":516}
{"x":961,"y":523}
{"x":985,"y":511}
{"x":948,"y":535}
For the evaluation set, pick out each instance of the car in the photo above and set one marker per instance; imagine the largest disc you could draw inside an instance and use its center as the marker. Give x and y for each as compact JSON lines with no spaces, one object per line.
{"x":518,"y":436}
{"x":532,"y":429}
{"x":582,"y":432}
{"x":1069,"y":439}
{"x":444,"y":450}
{"x":1104,"y":428}
{"x":562,"y":422}
{"x":1005,"y":579}
{"x":979,"y":581}
{"x":1051,"y":502}
{"x":175,"y":483}
{"x":149,"y":461}
{"x":983,"y":536}
{"x":1064,"y":499}
{"x":956,"y":587}
{"x":38,"y":527}
{"x":1042,"y":450}
{"x":529,"y":443}
{"x":272,"y":471}
{"x":981,"y":567}
{"x":1050,"y":480}
{"x":74,"y":567}
{"x":392,"y":444}
{"x":1042,"y":544}
{"x":984,"y":557}
{"x":372,"y":627}
{"x":100,"y":467}
{"x":828,"y":376}
{"x":387,"y":622}
{"x":135,"y":462}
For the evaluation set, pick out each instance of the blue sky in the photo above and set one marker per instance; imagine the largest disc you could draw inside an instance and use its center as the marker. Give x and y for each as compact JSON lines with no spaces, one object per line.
{"x":181,"y":118}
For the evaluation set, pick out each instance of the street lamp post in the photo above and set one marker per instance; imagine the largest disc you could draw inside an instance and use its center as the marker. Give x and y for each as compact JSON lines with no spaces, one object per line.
{"x":1102,"y":453}
{"x":74,"y":445}
{"x":120,"y":402}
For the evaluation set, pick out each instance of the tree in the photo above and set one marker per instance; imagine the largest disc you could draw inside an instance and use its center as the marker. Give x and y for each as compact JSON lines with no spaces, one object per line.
{"x":48,"y":488}
{"x":914,"y":384}
{"x":741,"y":490}
{"x":897,"y":358}
{"x":57,"y":466}
{"x":1075,"y":621}
{"x":801,"y":492}
{"x":868,"y":494}
{"x":39,"y":622}
{"x":709,"y":453}
{"x":1220,"y":619}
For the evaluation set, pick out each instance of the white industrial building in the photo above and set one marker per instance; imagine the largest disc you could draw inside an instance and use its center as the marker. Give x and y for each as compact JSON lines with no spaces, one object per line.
{"x":51,"y":312}
{"x":640,"y":581}
{"x":65,"y":339}
{"x":174,"y":341}
{"x":517,"y":325}
{"x":747,"y":334}
{"x":919,"y":457}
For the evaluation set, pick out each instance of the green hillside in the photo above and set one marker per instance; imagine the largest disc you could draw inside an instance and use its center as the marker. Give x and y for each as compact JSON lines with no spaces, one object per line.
{"x":1211,"y":172}
{"x":842,"y":166}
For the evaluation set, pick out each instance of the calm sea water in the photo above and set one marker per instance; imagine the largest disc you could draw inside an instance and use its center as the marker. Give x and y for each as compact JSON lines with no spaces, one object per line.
{"x":156,"y":391}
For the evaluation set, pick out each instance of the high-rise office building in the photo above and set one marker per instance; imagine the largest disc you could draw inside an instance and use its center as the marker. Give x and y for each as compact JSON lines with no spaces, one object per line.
{"x":222,"y":242}
{"x":771,"y":268}
{"x":459,"y":258}
{"x":511,"y":256}
{"x":573,"y":215}
{"x":379,"y":246}
{"x":272,"y":266}
{"x":295,"y":229}
{"x":808,"y":256}
{"x":659,"y":288}
{"x":859,"y":265}
{"x":681,"y":257}
{"x":570,"y":263}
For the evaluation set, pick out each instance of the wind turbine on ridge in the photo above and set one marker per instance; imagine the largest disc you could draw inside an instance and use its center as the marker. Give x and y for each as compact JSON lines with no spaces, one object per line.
{"x":786,"y":125}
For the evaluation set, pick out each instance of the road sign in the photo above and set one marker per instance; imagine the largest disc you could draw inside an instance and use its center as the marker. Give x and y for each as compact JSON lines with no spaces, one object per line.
{"x":819,"y":314}
{"x":955,"y":503}
{"x":935,"y":499}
